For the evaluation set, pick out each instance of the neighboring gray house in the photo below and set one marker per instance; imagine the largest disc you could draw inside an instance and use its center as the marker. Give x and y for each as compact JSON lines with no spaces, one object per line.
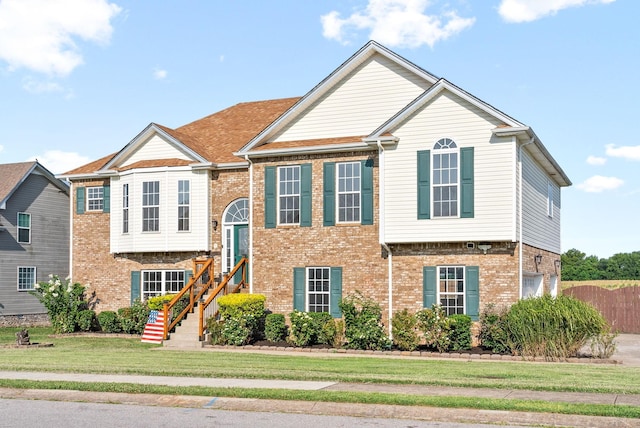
{"x":34,"y":238}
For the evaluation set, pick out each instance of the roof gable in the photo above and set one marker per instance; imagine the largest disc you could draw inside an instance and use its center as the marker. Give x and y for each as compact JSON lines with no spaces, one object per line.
{"x":351,"y":81}
{"x":14,"y":174}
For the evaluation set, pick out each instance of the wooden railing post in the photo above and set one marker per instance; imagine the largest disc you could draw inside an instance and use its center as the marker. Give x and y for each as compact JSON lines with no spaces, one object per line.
{"x":165,"y":312}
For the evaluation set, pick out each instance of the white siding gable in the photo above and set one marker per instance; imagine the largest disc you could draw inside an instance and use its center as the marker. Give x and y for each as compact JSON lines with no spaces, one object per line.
{"x":168,"y":238}
{"x":538,"y":228}
{"x":155,"y":148}
{"x":365,"y":99}
{"x":494,"y":173}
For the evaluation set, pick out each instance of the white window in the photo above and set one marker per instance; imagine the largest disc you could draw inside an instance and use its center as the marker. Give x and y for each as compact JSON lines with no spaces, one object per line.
{"x":183,"y":205}
{"x":161,"y":282}
{"x":150,"y":206}
{"x":95,"y":198}
{"x":125,"y":208}
{"x":349,"y":181}
{"x":445,"y":178}
{"x":318,"y":289}
{"x":451,"y":289}
{"x":26,"y":278}
{"x":549,"y":199}
{"x":289,"y":194}
{"x":24,"y":228}
{"x":531,"y":286}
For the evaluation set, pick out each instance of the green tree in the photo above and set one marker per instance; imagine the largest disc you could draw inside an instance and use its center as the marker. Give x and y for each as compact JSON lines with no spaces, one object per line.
{"x":576,"y":266}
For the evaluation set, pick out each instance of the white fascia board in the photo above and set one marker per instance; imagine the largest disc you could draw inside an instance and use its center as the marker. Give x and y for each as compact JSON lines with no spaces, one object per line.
{"x":336,"y":148}
{"x":327,"y":83}
{"x":231,"y":165}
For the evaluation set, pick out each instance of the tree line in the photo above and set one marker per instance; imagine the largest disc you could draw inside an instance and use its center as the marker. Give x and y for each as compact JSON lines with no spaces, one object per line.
{"x":577,"y":266}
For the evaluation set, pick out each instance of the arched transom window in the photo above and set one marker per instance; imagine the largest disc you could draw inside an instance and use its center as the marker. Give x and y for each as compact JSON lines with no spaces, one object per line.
{"x":445,"y":178}
{"x":238,"y":212}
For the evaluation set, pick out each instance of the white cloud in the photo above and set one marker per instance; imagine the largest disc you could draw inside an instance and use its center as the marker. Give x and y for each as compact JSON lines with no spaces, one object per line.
{"x":595,"y":160}
{"x":159,"y":74}
{"x":530,"y":10}
{"x":41,"y":35}
{"x":395,"y":23}
{"x":58,"y":161}
{"x":626,"y":152}
{"x":598,"y":183}
{"x":221,"y":58}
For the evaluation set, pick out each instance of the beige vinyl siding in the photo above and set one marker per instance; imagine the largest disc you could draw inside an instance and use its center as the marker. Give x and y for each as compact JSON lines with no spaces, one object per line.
{"x":156,"y":148}
{"x":538,"y":229}
{"x":449,"y":116}
{"x":168,"y":238}
{"x":359,"y":104}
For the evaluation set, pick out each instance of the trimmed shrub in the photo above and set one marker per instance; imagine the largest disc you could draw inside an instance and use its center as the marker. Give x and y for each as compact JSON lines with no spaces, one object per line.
{"x":460,"y":332}
{"x":304,"y":330}
{"x":86,"y":320}
{"x":553,"y":328}
{"x":405,"y":335}
{"x":157,"y":303}
{"x":242,"y":315}
{"x":109,"y":322}
{"x":275,"y":328}
{"x":435,"y":327}
{"x":134,"y":318}
{"x":363,"y":326}
{"x":493,"y":330}
{"x":214,"y":327}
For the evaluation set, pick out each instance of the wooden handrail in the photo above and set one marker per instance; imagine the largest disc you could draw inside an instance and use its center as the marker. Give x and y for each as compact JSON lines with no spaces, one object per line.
{"x":221,"y":288}
{"x":207,"y":267}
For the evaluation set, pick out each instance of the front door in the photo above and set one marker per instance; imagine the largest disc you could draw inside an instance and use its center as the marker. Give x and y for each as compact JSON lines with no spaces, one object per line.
{"x":240,"y":248}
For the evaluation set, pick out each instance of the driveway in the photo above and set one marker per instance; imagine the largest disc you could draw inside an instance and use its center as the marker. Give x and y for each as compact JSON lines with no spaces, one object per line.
{"x":628,"y":349}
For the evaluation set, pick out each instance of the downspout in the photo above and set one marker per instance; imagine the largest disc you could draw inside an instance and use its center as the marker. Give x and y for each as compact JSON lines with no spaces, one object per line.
{"x":381,"y":234}
{"x":246,"y":157}
{"x":520,"y":250}
{"x":71,"y":199}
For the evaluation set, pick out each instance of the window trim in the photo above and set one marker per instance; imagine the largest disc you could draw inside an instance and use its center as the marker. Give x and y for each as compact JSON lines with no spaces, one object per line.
{"x":125,"y":208}
{"x":145,"y":219}
{"x":146,"y":295}
{"x":297,"y":195}
{"x":35,"y":278}
{"x":309,"y":293}
{"x":438,"y":151}
{"x":21,"y":228}
{"x":185,"y":218}
{"x":550,"y":192}
{"x":92,"y":198}
{"x":462,"y":293}
{"x":339,"y":192}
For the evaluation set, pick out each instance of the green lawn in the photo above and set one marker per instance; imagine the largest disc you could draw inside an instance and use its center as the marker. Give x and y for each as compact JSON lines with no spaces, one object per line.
{"x":125,"y":355}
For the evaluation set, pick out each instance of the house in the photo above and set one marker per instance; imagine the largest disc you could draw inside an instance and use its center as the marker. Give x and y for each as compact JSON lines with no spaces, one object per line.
{"x":383,"y":178}
{"x":34,"y":238}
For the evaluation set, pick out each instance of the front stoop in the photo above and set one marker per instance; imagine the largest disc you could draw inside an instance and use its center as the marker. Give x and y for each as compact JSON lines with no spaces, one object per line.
{"x":185,"y":335}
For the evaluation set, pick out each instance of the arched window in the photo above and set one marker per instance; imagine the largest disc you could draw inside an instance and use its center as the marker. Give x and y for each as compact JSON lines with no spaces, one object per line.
{"x":237,"y":212}
{"x":445,"y":178}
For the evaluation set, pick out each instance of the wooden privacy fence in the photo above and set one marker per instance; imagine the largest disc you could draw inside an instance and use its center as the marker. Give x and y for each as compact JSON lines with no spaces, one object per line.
{"x":620,"y":307}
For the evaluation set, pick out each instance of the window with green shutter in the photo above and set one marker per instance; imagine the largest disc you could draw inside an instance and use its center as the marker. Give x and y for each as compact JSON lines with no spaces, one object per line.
{"x":348,"y":192}
{"x":317,"y":289}
{"x":455,"y":288}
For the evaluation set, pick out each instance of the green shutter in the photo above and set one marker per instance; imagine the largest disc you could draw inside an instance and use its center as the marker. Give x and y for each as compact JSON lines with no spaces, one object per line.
{"x":298,"y":288}
{"x":187,"y":276}
{"x":135,"y":285}
{"x":336,"y":292}
{"x":366,"y":192}
{"x":329,"y":198}
{"x":466,"y":182}
{"x":472,"y":291}
{"x":270,"y":197}
{"x":305,"y":195}
{"x":429,"y":286}
{"x":80,"y":200}
{"x":424,"y":184}
{"x":106,"y":199}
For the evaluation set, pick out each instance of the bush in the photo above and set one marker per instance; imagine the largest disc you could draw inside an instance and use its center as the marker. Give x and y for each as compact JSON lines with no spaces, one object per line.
{"x":242,"y":315}
{"x":493,"y":330}
{"x":403,"y":326}
{"x":63,"y":302}
{"x":363,"y":326}
{"x":87,"y":320}
{"x":134,"y":318}
{"x":275,"y":328}
{"x":157,"y":303}
{"x":553,"y":328}
{"x":109,"y":322}
{"x":214,"y":327}
{"x":435,"y":327}
{"x":460,"y":332}
{"x":304,"y":331}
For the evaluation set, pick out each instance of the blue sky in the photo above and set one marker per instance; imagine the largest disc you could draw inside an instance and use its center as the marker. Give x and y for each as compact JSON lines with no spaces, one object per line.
{"x":80,"y":78}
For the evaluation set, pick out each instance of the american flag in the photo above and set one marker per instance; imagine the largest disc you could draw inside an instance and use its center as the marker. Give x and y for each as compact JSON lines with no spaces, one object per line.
{"x":154,"y":328}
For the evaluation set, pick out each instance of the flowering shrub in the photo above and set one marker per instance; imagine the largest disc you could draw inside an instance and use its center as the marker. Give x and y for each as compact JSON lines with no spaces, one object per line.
{"x":63,"y":302}
{"x":363,"y":326}
{"x":436,"y":327}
